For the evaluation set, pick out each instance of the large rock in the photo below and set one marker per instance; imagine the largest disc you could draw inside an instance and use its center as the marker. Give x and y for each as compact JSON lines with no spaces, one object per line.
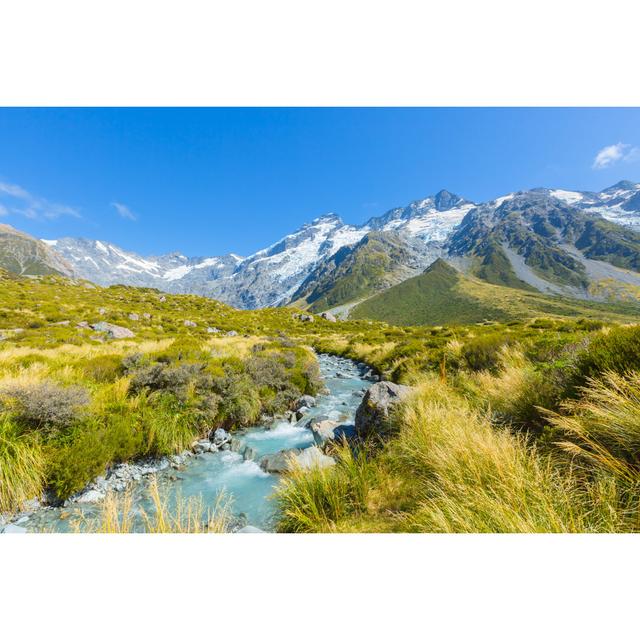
{"x":328,"y":316}
{"x":221,"y":437}
{"x":305,"y":401}
{"x":322,"y":429}
{"x":287,"y":460}
{"x":113,"y":330}
{"x":372,"y":416}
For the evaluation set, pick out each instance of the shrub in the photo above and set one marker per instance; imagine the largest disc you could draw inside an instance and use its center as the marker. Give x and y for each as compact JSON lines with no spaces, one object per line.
{"x":616,"y":350}
{"x":483,"y":352}
{"x":240,"y":402}
{"x":46,"y":405}
{"x":77,"y":458}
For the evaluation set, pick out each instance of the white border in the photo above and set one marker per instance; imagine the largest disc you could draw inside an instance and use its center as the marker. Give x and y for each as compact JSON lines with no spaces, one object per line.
{"x":329,"y":52}
{"x":347,"y":52}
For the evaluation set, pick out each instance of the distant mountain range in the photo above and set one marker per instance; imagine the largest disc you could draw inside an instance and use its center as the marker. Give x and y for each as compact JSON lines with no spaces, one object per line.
{"x":578,"y":244}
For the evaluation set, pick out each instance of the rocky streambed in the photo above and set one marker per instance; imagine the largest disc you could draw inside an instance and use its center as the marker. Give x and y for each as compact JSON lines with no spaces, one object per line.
{"x":246,"y":466}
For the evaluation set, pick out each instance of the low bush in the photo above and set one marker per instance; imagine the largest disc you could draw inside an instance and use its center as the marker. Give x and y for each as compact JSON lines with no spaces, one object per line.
{"x":617,"y":349}
{"x":46,"y":405}
{"x":483,"y":352}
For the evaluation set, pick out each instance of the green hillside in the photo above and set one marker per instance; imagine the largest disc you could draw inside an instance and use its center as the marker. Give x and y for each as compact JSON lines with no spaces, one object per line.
{"x":442,"y":295}
{"x":378,"y":261}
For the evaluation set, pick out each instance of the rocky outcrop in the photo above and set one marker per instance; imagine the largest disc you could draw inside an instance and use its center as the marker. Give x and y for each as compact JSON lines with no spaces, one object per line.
{"x":373,"y":414}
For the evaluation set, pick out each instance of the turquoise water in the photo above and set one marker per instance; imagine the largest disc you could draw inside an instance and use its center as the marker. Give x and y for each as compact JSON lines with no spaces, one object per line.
{"x":249,"y":488}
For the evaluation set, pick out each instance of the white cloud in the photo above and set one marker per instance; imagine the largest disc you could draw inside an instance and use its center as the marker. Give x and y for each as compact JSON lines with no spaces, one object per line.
{"x":124,"y":211}
{"x":14,"y":200}
{"x":608,"y":156}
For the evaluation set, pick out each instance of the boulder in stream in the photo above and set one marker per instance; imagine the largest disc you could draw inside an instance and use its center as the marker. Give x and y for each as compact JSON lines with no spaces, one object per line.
{"x":287,"y":460}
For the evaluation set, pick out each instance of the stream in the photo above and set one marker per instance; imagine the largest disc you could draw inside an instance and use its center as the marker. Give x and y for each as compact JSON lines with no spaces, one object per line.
{"x":250,"y":488}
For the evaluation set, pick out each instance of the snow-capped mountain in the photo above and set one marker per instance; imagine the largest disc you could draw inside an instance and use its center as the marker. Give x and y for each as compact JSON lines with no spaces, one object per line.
{"x":619,"y":203}
{"x":271,"y":276}
{"x":105,"y":263}
{"x":431,"y":219}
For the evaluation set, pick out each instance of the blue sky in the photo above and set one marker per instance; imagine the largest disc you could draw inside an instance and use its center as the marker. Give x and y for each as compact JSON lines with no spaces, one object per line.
{"x":212,"y":181}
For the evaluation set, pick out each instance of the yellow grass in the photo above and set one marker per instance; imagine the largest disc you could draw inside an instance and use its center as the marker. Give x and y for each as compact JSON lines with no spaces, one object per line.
{"x":187,"y":516}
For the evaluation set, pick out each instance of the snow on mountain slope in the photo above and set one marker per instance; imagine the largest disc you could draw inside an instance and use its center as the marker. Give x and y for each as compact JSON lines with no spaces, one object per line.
{"x":270,"y":276}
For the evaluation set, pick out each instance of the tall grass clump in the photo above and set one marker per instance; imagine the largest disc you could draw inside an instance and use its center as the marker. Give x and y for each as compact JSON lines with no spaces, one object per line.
{"x":602,"y":426}
{"x":184,"y":515}
{"x":21,"y":466}
{"x":513,"y":393}
{"x":318,"y":499}
{"x":471,"y":477}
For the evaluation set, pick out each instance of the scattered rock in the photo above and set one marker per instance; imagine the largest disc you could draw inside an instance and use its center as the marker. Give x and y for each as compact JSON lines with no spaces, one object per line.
{"x":83,"y":325}
{"x":328,"y":316}
{"x":62,"y":323}
{"x":202,"y":446}
{"x":102,"y":311}
{"x":190,"y":323}
{"x":162,"y":299}
{"x":213,"y":330}
{"x":113,"y":330}
{"x":373,"y":413}
{"x":249,"y":453}
{"x":134,"y":316}
{"x":232,"y":333}
{"x":146,"y":316}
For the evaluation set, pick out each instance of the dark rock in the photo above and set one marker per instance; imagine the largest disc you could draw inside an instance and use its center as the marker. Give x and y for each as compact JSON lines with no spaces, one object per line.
{"x":372,"y":416}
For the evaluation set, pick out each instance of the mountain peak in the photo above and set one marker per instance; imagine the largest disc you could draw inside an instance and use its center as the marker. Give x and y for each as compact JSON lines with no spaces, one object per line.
{"x":327,"y":218}
{"x":625,"y":185}
{"x":445,"y":200}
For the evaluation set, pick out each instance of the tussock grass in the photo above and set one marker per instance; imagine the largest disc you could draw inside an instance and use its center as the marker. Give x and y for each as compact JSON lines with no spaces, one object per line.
{"x":602,"y":426}
{"x":317,"y":499}
{"x":471,"y":477}
{"x":450,"y":470}
{"x":21,"y":467}
{"x":117,"y":515}
{"x":514,"y":393}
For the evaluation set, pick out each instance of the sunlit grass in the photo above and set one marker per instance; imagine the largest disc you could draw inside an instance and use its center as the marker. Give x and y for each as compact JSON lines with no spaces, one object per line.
{"x":21,"y":467}
{"x":183,"y":515}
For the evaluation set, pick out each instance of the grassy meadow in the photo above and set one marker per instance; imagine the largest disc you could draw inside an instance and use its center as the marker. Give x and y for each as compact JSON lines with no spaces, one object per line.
{"x":531,"y":425}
